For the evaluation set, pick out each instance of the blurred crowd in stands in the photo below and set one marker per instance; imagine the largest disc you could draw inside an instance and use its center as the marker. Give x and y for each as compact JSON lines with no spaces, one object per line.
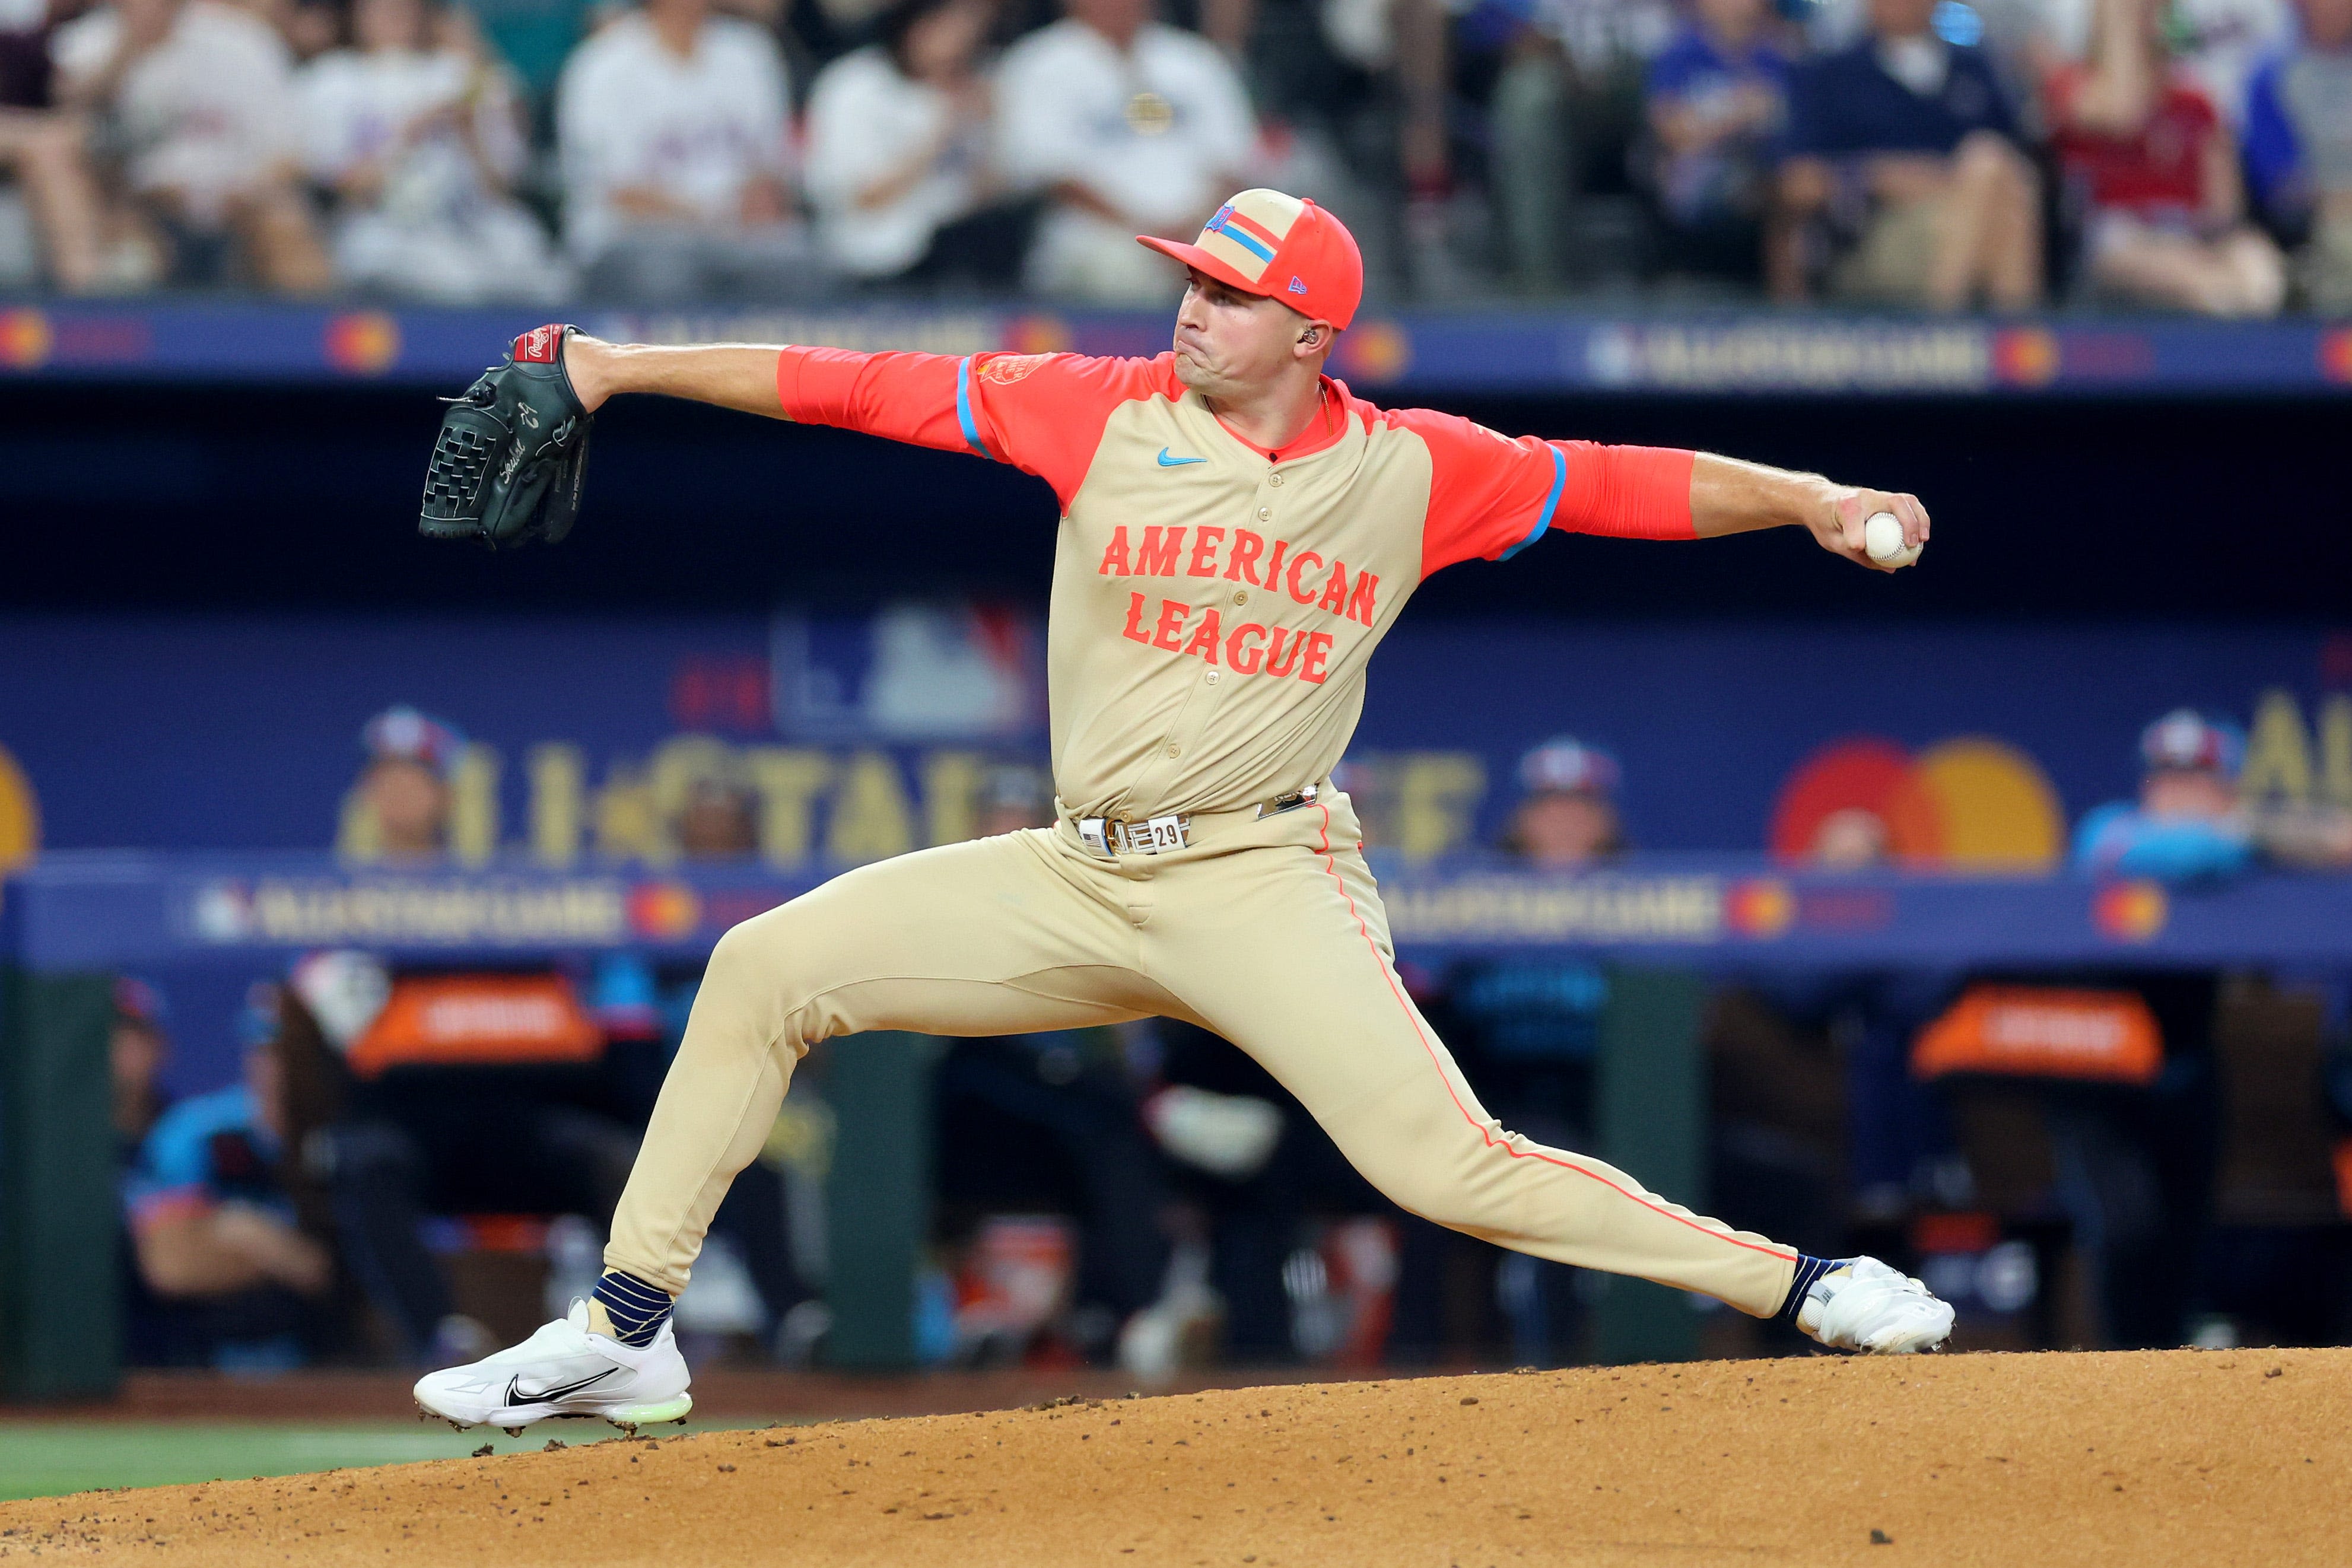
{"x":2175,"y":1165}
{"x":2184,"y":154}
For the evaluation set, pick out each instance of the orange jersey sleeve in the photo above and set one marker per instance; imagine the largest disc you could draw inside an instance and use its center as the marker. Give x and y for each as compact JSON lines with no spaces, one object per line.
{"x":1491,"y":497}
{"x":1043,"y":413}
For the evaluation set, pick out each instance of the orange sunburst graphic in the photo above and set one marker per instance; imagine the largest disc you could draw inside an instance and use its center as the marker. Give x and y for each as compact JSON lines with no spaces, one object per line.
{"x":25,"y":339}
{"x":663,"y":910}
{"x":1375,"y":351}
{"x":2336,"y":355}
{"x":1761,"y":907}
{"x":1037,"y":335}
{"x":2130,"y":910}
{"x":363,"y":343}
{"x":2025,"y":357}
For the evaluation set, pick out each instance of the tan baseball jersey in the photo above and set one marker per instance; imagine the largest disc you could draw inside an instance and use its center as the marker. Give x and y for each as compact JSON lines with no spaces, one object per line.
{"x":1215,"y":603}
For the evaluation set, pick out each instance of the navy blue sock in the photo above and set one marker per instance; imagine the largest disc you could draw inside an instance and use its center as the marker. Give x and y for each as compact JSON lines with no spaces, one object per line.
{"x":1809,"y":1268}
{"x":637,"y":1310}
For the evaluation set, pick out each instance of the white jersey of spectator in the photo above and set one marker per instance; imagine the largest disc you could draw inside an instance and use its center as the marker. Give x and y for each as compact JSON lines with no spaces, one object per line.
{"x":207,"y":113}
{"x":439,"y":229}
{"x":631,"y":113}
{"x":1160,"y":133}
{"x":867,"y":119}
{"x":356,"y":106}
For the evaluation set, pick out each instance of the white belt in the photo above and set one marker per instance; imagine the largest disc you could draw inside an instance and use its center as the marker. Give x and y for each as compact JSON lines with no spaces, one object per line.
{"x":1111,"y":837}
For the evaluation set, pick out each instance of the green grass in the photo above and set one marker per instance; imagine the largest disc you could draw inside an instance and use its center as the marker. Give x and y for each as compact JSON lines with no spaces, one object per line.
{"x":46,"y":1458}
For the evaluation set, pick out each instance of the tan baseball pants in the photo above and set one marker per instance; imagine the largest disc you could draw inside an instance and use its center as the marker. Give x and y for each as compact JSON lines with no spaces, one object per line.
{"x":1268,"y":931}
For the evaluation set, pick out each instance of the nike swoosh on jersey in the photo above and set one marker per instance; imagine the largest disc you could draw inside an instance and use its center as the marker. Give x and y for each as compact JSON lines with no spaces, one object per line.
{"x":1168,"y":462}
{"x":516,"y":1396}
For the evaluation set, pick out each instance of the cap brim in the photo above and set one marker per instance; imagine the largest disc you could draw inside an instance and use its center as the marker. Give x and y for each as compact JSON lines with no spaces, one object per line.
{"x":1192,"y":256}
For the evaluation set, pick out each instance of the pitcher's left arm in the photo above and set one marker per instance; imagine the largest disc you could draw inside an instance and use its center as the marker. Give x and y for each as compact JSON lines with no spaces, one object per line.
{"x":1491,"y":495}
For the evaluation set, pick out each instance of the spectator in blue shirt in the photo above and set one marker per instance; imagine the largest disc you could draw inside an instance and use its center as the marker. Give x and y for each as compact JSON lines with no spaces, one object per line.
{"x":212,"y":1232}
{"x":1718,"y":98}
{"x":2298,"y":150}
{"x":2191,"y":822}
{"x":2187,"y":823}
{"x":1906,"y":142}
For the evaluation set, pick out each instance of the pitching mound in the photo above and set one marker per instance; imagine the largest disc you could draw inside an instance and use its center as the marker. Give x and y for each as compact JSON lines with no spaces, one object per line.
{"x":2167,"y":1459}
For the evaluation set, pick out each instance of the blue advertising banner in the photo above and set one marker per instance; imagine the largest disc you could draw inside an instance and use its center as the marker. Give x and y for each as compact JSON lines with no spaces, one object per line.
{"x":83,"y":911}
{"x":1451,"y":352}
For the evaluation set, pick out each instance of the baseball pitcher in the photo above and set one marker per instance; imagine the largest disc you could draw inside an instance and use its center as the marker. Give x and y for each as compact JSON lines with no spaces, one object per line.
{"x":1238,"y":531}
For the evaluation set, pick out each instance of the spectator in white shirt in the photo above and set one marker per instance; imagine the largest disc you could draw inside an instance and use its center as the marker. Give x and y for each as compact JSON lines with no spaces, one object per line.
{"x":1128,"y":127}
{"x":419,"y":137}
{"x":900,"y":168}
{"x":672,"y":125}
{"x":197,"y":95}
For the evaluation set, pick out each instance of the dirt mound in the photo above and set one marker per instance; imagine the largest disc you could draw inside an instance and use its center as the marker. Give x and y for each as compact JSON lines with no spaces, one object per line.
{"x":2166,"y":1459}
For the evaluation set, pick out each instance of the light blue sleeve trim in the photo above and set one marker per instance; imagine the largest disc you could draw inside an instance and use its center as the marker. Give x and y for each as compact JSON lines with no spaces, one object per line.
{"x":1552,"y":505}
{"x":963,"y":409}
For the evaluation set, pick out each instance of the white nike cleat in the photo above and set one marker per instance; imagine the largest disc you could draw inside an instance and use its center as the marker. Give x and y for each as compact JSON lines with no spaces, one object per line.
{"x":564,"y":1370}
{"x":1865,"y":1306}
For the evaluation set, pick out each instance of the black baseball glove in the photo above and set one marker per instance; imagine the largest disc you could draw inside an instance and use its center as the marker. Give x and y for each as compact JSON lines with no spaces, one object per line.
{"x":513,"y":452}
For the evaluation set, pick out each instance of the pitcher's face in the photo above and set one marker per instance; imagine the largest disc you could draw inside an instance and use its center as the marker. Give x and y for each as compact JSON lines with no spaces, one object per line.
{"x":1229,"y":343}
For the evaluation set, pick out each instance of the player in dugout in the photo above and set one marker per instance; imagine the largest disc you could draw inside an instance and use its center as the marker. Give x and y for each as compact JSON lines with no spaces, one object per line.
{"x":1237,"y":531}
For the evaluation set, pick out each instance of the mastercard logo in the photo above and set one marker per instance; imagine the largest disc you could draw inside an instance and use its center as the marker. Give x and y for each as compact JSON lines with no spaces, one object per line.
{"x":665,"y":911}
{"x":1037,"y":335}
{"x":1971,"y":803}
{"x":2130,"y":910}
{"x":25,"y":339}
{"x":1761,"y":907}
{"x":2026,"y":357}
{"x":1375,"y":351}
{"x":364,"y":342}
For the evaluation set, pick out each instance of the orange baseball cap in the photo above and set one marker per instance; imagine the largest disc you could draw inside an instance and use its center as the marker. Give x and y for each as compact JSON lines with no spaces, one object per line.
{"x":1280,"y":247}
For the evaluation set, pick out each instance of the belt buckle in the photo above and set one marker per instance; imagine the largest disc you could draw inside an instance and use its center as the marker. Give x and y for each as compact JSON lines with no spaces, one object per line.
{"x":1290,"y":802}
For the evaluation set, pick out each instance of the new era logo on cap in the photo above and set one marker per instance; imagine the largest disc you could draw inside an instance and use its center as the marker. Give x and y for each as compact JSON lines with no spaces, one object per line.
{"x":1298,"y":285}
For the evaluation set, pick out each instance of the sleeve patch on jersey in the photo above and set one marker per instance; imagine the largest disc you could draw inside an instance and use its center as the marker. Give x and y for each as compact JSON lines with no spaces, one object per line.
{"x":1006,"y":368}
{"x":963,"y":410}
{"x":1551,"y":506}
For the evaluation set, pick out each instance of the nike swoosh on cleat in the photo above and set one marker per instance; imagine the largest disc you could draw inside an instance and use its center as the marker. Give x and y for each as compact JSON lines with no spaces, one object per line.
{"x":1168,"y":462}
{"x":516,"y":1396}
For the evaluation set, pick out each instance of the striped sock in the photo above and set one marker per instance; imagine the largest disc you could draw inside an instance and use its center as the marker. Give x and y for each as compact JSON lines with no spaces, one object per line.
{"x":1809,"y":1269}
{"x":637,"y":1310}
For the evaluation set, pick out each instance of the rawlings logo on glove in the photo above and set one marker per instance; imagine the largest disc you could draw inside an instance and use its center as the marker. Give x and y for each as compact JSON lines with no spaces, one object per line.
{"x":512,"y":456}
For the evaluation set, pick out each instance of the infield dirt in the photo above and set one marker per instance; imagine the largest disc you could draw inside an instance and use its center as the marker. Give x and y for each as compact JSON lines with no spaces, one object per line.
{"x":2149,"y":1458}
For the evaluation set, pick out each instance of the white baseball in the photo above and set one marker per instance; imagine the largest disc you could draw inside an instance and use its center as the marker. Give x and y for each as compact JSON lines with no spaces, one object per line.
{"x":1882,"y":539}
